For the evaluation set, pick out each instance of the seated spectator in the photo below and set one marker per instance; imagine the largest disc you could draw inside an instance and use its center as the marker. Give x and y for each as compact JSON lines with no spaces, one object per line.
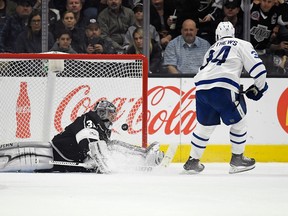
{"x":138,"y":11}
{"x":63,"y":42}
{"x":53,"y":14}
{"x":155,"y":57}
{"x":279,"y":44}
{"x":263,"y":19}
{"x":94,"y":43}
{"x":30,"y":40}
{"x":209,"y":11}
{"x":68,"y":21}
{"x":160,"y":11}
{"x":14,"y":25}
{"x":186,"y":9}
{"x":114,"y":22}
{"x":231,"y":12}
{"x":76,"y":7}
{"x":185,"y":53}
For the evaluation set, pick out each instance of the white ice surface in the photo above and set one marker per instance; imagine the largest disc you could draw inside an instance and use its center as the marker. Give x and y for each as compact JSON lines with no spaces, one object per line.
{"x":259,"y":192}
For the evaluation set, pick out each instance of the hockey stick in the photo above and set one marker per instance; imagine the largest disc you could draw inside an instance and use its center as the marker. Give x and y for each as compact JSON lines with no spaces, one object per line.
{"x":168,"y":157}
{"x":67,"y":163}
{"x":88,"y":166}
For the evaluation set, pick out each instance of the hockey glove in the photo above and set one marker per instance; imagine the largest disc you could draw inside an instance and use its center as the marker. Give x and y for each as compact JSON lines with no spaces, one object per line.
{"x":254,"y":93}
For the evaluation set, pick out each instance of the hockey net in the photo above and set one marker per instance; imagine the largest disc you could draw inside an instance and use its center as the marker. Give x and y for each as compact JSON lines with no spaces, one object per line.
{"x":42,"y":93}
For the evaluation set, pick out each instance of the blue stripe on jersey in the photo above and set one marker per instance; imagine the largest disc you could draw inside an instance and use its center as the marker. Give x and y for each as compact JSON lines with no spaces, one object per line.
{"x":254,"y":67}
{"x":226,"y":80}
{"x":261,"y":73}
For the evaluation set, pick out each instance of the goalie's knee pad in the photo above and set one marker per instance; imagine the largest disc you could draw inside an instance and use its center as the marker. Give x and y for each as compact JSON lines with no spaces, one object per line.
{"x":25,"y":156}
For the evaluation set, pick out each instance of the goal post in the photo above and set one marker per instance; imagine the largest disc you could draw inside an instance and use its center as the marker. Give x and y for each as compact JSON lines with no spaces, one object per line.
{"x":40,"y":94}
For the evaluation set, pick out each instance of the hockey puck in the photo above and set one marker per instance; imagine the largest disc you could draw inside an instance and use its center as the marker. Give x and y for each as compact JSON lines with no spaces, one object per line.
{"x":124,"y":127}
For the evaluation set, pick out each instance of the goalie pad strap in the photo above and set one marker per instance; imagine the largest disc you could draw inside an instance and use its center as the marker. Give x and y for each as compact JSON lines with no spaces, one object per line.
{"x":30,"y":156}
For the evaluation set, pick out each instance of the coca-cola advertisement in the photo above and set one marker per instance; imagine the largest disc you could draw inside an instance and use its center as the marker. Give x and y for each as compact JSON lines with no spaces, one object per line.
{"x":171,"y":113}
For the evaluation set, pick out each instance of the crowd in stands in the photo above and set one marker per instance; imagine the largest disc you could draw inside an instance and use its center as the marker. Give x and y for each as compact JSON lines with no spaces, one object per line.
{"x":181,"y":31}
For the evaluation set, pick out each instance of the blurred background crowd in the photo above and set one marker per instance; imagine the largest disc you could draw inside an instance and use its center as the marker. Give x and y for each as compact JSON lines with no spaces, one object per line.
{"x":180,"y":31}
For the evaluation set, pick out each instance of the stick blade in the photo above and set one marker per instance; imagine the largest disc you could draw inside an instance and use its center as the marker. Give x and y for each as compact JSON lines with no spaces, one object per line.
{"x":168,"y":157}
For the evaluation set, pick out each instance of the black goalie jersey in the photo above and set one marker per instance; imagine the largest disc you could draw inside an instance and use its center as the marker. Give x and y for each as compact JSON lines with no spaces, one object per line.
{"x":72,"y":143}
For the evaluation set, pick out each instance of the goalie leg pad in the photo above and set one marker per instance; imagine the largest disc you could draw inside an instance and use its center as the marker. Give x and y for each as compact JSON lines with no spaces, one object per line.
{"x":99,"y":156}
{"x":25,"y":157}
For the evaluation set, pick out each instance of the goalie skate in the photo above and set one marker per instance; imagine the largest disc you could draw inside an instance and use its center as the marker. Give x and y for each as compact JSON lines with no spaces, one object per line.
{"x":193,"y":166}
{"x":240,"y":163}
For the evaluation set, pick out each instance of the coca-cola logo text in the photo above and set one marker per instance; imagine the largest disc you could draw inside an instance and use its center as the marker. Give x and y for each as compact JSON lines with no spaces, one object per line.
{"x":169,"y":109}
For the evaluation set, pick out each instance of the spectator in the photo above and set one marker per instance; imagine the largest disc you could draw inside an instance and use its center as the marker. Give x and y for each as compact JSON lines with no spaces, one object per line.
{"x":279,"y":45}
{"x":14,"y":25}
{"x":68,"y":21}
{"x":155,"y":57}
{"x":263,"y":25}
{"x":186,"y":9}
{"x":30,"y":40}
{"x":63,"y":42}
{"x":76,"y":7}
{"x":94,"y":43}
{"x":263,"y":19}
{"x":160,"y":11}
{"x":184,"y":54}
{"x":53,"y":14}
{"x":209,"y":11}
{"x":138,"y":12}
{"x":114,"y":22}
{"x":231,"y":12}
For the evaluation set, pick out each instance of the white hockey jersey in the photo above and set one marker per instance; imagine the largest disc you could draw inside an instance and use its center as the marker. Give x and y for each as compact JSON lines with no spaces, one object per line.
{"x":223,"y":64}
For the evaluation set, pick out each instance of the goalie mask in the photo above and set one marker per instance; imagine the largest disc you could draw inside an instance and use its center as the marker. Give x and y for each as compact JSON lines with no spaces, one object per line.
{"x":224,"y":29}
{"x":106,"y":111}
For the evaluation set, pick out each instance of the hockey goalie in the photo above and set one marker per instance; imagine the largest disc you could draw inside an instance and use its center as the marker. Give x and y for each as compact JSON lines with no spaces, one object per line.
{"x":85,"y":143}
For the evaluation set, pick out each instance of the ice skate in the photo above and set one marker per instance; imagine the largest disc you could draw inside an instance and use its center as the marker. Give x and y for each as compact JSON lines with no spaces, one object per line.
{"x":193,"y":166}
{"x":240,"y":163}
{"x":154,"y":155}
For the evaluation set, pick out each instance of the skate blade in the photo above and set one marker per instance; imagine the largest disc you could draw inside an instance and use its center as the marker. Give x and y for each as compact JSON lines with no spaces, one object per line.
{"x":191,"y":172}
{"x":234,"y":169}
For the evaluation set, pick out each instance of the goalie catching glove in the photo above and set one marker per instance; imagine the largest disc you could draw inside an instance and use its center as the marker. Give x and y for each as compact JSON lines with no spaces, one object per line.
{"x":254,"y":93}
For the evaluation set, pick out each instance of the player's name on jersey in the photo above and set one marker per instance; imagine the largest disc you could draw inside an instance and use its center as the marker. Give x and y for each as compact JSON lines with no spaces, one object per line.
{"x":227,"y":42}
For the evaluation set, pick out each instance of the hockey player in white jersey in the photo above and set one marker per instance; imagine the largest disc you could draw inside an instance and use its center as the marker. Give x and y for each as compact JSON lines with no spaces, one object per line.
{"x":219,"y":96}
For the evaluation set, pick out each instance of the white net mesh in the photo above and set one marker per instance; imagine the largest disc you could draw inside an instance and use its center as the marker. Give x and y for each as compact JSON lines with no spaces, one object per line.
{"x":39,"y":99}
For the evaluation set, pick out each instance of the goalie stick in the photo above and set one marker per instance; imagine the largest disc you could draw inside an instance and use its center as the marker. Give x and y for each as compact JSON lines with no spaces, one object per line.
{"x":89,"y":166}
{"x":168,"y":157}
{"x":75,"y":164}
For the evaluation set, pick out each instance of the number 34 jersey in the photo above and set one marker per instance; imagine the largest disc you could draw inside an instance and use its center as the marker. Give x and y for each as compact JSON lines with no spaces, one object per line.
{"x":223,"y":65}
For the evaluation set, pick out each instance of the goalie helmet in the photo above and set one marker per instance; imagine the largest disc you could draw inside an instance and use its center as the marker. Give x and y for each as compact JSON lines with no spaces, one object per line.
{"x":106,"y":111}
{"x":224,"y":29}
